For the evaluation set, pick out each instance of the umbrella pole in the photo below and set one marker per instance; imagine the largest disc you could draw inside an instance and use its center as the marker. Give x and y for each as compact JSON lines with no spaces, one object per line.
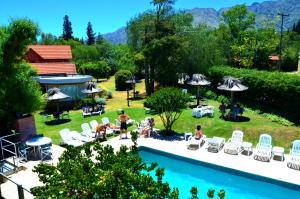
{"x":232,"y":96}
{"x":134,"y":90}
{"x":198,"y":97}
{"x":57,"y":108}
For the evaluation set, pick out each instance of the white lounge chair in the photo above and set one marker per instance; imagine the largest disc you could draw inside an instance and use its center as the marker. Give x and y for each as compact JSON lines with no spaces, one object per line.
{"x":233,"y":145}
{"x":215,"y":144}
{"x":87,"y":131}
{"x":94,"y":125}
{"x":77,"y":136}
{"x":294,"y":159}
{"x":66,"y":138}
{"x":194,"y":143}
{"x":110,"y":130}
{"x":264,"y":148}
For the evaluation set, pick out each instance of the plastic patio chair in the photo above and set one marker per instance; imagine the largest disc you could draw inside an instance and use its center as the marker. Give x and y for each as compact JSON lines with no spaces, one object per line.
{"x":294,"y":160}
{"x":233,"y":145}
{"x":264,"y":148}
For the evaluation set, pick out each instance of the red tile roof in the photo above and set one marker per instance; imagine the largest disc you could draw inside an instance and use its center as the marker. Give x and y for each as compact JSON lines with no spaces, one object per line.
{"x":54,"y":68}
{"x":52,"y":51}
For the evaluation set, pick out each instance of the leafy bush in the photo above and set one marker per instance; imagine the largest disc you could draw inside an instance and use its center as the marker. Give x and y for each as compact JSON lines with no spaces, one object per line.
{"x":120,"y":77}
{"x":168,"y":104}
{"x":109,"y":94}
{"x":100,"y":101}
{"x":224,"y":99}
{"x":210,"y":95}
{"x":278,"y":89}
{"x":278,"y":119}
{"x":98,"y":69}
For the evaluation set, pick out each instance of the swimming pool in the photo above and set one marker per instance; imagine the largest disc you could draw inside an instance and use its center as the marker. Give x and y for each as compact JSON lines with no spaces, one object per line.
{"x":184,"y":173}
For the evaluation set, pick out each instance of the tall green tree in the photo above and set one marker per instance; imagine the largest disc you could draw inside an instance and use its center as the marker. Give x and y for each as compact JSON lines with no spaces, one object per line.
{"x":67,"y":28}
{"x":146,"y":35}
{"x":90,"y":34}
{"x":19,"y":93}
{"x":297,"y":27}
{"x":235,"y":25}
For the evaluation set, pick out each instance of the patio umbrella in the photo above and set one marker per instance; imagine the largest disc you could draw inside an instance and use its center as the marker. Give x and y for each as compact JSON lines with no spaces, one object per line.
{"x":55,"y":94}
{"x":198,"y":80}
{"x":182,"y":78}
{"x":233,"y":85}
{"x":132,"y":80}
{"x":91,"y":88}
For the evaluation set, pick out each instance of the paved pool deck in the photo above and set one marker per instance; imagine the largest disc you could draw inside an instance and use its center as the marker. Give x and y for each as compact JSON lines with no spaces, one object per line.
{"x":274,"y":169}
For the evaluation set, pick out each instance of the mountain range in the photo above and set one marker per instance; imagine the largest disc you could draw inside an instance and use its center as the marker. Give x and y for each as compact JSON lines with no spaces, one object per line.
{"x":264,"y":11}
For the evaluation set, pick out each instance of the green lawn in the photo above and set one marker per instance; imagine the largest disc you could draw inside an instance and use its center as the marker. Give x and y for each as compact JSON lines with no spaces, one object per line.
{"x":282,"y":135}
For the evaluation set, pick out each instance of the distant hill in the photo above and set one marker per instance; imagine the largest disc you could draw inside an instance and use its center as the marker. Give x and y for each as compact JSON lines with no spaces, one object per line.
{"x":117,"y":37}
{"x":210,"y":16}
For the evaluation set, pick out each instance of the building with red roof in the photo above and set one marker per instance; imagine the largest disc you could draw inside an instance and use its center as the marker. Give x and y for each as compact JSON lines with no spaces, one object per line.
{"x":55,"y":69}
{"x":51,"y":59}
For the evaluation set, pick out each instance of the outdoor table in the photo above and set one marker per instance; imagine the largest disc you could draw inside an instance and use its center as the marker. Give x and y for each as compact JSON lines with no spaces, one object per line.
{"x":247,"y":146}
{"x":37,"y":142}
{"x":278,"y":151}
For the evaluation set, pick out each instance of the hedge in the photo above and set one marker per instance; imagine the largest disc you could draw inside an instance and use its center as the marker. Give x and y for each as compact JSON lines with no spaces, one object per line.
{"x":120,"y":77}
{"x":274,"y":88}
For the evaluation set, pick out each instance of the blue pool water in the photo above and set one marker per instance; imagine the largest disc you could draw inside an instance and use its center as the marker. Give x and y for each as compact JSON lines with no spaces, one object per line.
{"x":184,"y":174}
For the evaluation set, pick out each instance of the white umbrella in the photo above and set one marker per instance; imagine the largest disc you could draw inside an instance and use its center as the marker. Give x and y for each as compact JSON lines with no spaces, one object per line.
{"x":182,"y":78}
{"x":91,"y":88}
{"x":55,"y":94}
{"x":233,"y":85}
{"x":198,"y":80}
{"x":132,"y":80}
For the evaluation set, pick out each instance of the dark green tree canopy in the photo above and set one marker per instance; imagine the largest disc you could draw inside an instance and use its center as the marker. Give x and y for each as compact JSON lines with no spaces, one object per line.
{"x":67,"y":28}
{"x":96,"y":171}
{"x":90,"y":34}
{"x":15,"y":75}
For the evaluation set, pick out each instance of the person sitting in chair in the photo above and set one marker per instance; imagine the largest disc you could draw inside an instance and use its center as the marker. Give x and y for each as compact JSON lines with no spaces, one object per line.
{"x":198,"y":132}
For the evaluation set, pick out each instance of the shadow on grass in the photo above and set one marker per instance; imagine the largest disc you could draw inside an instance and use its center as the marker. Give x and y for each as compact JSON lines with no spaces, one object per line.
{"x":57,"y":122}
{"x":168,"y":136}
{"x":239,"y":119}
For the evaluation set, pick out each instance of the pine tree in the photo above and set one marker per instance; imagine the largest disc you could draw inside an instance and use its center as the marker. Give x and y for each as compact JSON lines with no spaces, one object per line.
{"x":294,"y":27}
{"x":297,"y":28}
{"x":90,"y":34}
{"x":67,"y":28}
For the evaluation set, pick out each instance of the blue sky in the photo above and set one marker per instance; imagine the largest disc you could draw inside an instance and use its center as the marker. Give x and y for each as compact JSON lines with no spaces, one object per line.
{"x":105,"y":15}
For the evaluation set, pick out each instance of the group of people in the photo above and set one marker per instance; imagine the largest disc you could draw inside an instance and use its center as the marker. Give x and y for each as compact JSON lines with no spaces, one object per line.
{"x":234,"y":111}
{"x":101,"y":128}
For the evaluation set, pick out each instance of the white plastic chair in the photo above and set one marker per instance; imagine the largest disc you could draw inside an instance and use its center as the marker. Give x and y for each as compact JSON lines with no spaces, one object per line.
{"x":87,"y":131}
{"x":67,"y":139}
{"x":264,"y":148}
{"x":294,"y":160}
{"x":194,"y":143}
{"x":233,"y":145}
{"x":94,"y":125}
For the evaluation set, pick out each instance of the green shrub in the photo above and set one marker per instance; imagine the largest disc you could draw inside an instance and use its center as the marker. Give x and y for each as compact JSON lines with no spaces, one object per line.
{"x":210,"y":95}
{"x":168,"y":103}
{"x":120,"y":77}
{"x":278,"y":89}
{"x":109,"y":94}
{"x":224,"y":99}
